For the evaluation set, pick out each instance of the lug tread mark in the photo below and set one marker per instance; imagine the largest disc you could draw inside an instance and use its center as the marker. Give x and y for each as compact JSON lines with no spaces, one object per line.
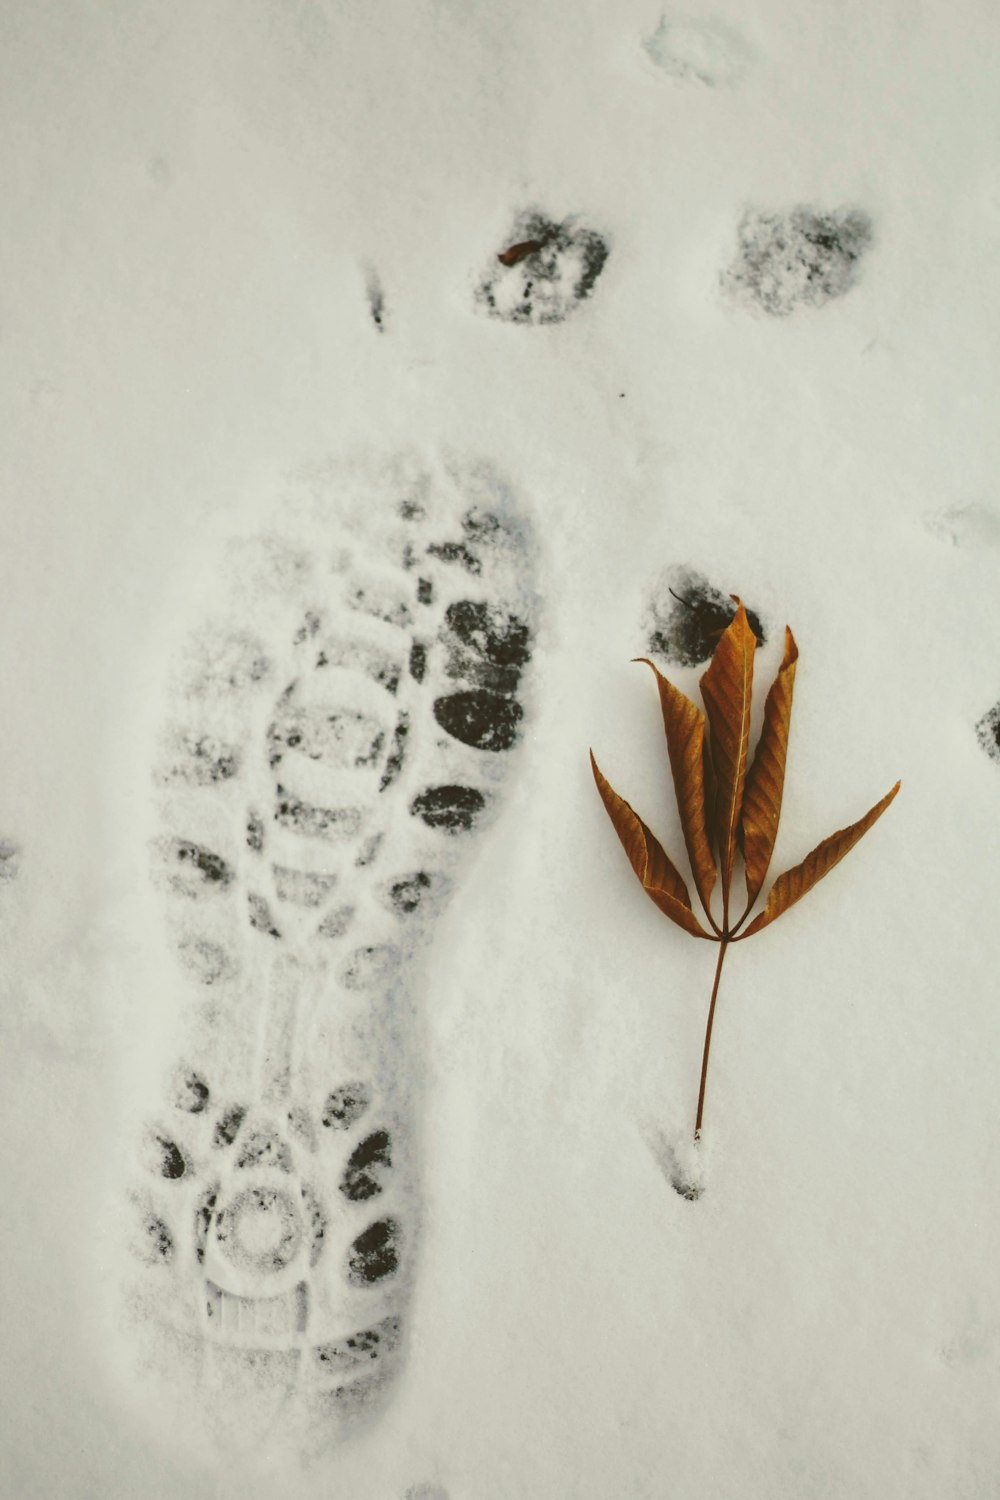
{"x":349,"y":1354}
{"x":330,"y":823}
{"x":336,"y":922}
{"x":307,"y":888}
{"x":172,"y":1163}
{"x":367,"y":1164}
{"x":374,"y":1255}
{"x":228,"y":1127}
{"x":260,"y":916}
{"x":479,"y":718}
{"x":202,"y":868}
{"x":203,"y":1220}
{"x":405,"y":895}
{"x":452,"y":809}
{"x":394,"y":763}
{"x":159,"y":1242}
{"x":194,"y":1094}
{"x":345,"y":1105}
{"x":457,"y":552}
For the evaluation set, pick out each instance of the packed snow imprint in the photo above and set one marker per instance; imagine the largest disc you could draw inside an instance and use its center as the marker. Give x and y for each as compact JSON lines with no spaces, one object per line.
{"x":686,"y":615}
{"x":707,"y":52}
{"x":798,"y":257}
{"x":971,"y":525}
{"x":332,"y":743}
{"x":545,"y":271}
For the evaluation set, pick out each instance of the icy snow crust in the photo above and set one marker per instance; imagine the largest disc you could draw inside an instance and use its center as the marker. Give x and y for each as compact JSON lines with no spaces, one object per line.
{"x":242,"y":325}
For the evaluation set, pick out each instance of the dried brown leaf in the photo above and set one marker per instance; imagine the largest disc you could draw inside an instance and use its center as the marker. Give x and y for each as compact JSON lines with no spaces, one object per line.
{"x":727,"y":688}
{"x":660,"y":878}
{"x":519,"y":252}
{"x":766,"y":776}
{"x":793,"y":884}
{"x":684,"y":725}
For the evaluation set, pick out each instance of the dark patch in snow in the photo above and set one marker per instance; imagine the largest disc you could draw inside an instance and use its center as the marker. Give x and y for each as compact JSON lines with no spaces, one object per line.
{"x":456,"y":552}
{"x":450,"y":808}
{"x":366,"y":1167}
{"x":484,"y":720}
{"x":486,"y":646}
{"x":797,"y":257}
{"x":228,"y":1126}
{"x":406,"y":894}
{"x":374,"y":1256}
{"x":158,"y":1242}
{"x":686,"y":617}
{"x":171,"y":1159}
{"x":376,"y":300}
{"x":204,"y":1210}
{"x":196,"y":870}
{"x":192,"y":1094}
{"x":988,"y":732}
{"x":546,"y":270}
{"x":346,"y":1105}
{"x":394,"y":761}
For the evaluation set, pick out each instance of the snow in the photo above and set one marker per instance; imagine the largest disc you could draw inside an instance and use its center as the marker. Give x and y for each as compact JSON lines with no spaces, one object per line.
{"x":204,"y":206}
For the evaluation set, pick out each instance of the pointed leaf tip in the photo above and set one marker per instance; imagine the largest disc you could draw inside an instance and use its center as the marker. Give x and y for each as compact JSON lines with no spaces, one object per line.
{"x":766,"y":777}
{"x":797,"y":882}
{"x":659,"y":876}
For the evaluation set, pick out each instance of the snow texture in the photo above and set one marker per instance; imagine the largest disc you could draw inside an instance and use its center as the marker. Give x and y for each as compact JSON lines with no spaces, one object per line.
{"x":347,"y":1149}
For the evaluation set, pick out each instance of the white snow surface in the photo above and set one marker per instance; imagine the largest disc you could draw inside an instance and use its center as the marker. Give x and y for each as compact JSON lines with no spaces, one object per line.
{"x":198,"y":201}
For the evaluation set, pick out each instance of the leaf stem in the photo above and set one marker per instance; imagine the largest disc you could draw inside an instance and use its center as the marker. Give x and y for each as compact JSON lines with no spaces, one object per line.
{"x":707,"y":909}
{"x":737,"y":925}
{"x":723,"y":945}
